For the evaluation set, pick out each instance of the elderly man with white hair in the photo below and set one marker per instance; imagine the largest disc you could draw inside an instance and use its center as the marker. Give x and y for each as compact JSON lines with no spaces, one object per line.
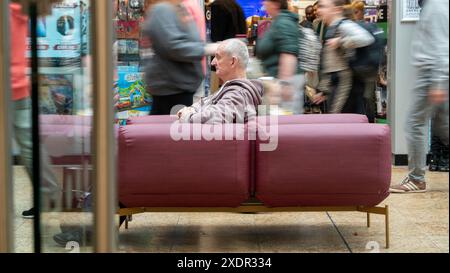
{"x":237,"y":99}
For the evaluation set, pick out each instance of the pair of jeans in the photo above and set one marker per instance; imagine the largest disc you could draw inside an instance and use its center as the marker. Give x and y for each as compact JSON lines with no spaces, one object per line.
{"x":417,"y":123}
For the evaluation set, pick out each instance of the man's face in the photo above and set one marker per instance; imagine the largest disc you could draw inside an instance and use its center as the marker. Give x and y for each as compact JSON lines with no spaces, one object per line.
{"x":309,"y":14}
{"x":223,"y":63}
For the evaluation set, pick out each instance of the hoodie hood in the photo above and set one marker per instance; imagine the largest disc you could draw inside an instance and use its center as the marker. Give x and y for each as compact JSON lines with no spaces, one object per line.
{"x":254,"y":87}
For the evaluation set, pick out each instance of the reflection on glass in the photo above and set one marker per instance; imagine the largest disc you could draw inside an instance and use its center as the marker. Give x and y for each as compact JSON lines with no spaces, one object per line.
{"x":65,"y":126}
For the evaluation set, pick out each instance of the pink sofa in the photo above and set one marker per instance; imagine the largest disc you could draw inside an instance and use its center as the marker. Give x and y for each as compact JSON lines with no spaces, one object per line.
{"x":321,"y":163}
{"x":322,"y":160}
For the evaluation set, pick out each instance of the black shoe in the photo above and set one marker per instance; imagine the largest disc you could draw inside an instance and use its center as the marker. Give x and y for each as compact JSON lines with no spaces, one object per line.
{"x":28,"y":214}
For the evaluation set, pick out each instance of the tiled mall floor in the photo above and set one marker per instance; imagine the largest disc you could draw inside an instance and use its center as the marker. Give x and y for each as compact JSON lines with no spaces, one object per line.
{"x":419,"y":223}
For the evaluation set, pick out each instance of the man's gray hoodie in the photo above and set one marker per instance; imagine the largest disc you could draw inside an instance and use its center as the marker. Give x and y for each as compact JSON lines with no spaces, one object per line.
{"x":236,"y":101}
{"x":176,"y":66}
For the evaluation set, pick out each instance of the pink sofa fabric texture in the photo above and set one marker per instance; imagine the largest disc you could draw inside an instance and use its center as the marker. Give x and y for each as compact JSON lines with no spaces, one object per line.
{"x":326,"y":165}
{"x":157,"y":171}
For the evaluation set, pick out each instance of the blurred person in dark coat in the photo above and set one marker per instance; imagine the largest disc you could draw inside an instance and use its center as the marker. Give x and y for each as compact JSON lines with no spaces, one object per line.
{"x":227,"y":20}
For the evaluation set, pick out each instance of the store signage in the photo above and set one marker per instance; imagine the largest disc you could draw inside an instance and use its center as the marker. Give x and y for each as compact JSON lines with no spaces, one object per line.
{"x":382,"y":14}
{"x":376,"y":14}
{"x":410,"y":10}
{"x":61,"y":35}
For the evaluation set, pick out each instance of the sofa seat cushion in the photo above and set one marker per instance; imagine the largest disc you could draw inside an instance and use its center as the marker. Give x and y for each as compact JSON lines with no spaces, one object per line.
{"x":325,"y":165}
{"x":157,"y":171}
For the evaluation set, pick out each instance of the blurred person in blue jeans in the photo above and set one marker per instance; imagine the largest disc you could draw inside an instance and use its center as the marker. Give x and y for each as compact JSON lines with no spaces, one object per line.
{"x":430,"y":56}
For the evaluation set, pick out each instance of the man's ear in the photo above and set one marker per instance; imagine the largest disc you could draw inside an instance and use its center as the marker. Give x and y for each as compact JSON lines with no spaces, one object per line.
{"x":234,"y":61}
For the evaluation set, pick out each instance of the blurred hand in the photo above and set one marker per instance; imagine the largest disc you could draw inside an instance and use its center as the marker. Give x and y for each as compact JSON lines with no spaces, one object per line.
{"x":319,"y":98}
{"x":334,"y":43}
{"x":437,"y":96}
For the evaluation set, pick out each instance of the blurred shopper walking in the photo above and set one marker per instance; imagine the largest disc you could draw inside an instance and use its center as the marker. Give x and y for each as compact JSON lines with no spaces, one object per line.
{"x":174,"y":73}
{"x":368,"y":62}
{"x":22,"y":104}
{"x":430,"y":56}
{"x":342,"y":38}
{"x":278,"y":49}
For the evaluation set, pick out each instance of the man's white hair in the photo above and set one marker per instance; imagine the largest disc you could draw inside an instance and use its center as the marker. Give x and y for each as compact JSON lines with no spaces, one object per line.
{"x":238,"y":49}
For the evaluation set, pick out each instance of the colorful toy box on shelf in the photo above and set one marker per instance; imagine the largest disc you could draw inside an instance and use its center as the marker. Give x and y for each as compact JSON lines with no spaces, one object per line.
{"x":128,"y":25}
{"x":131,"y":96}
{"x":130,"y":90}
